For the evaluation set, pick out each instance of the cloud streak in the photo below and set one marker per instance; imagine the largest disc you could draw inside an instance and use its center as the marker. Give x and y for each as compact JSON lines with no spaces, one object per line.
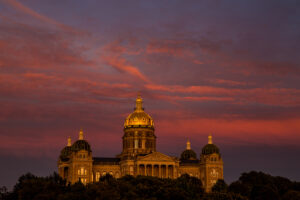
{"x":26,"y":10}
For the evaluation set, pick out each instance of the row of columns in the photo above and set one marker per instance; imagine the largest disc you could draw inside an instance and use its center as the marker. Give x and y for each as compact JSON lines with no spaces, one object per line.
{"x":161,"y":171}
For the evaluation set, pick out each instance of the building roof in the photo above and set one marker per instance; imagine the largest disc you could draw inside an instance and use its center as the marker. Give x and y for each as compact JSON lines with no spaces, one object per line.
{"x":188,"y":154}
{"x":210,"y":149}
{"x":106,"y":161}
{"x":188,"y":162}
{"x":81,"y":145}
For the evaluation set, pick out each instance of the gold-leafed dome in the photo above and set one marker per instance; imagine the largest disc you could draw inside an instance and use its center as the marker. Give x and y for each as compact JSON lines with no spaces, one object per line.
{"x":139,"y":118}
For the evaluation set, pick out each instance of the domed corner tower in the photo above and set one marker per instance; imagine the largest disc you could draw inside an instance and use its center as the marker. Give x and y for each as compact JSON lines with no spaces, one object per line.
{"x":211,"y":165}
{"x":64,"y":161}
{"x":76,"y":162}
{"x":189,"y":164}
{"x":139,"y":137}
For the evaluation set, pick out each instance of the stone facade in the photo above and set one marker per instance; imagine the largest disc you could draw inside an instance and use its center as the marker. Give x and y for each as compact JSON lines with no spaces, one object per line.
{"x":139,"y":157}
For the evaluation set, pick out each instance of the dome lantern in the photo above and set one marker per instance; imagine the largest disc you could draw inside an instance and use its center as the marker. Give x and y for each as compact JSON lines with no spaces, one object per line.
{"x":69,"y":142}
{"x":210,"y":139}
{"x":81,"y":134}
{"x":188,"y":145}
{"x":139,"y":104}
{"x":139,"y":118}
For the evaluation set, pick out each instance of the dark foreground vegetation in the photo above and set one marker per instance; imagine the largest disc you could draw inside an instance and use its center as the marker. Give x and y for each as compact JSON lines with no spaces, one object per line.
{"x":252,"y":186}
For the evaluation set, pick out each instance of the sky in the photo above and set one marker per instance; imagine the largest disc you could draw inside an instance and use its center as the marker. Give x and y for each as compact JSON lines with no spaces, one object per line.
{"x":226,"y":68}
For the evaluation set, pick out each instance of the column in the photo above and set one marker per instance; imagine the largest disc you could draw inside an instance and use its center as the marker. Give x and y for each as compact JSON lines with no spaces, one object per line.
{"x":152,"y":167}
{"x":159,"y":171}
{"x":167,"y":171}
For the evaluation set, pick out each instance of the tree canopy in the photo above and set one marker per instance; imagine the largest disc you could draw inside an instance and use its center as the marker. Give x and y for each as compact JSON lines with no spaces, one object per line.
{"x":252,"y":186}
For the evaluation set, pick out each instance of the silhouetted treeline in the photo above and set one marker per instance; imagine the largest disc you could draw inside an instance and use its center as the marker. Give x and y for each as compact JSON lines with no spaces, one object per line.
{"x":252,"y":186}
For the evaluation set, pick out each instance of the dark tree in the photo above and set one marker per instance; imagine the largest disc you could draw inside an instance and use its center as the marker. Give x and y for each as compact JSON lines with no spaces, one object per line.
{"x":264,"y":192}
{"x":220,"y":186}
{"x":291,"y":195}
{"x":238,"y":188}
{"x":253,"y":185}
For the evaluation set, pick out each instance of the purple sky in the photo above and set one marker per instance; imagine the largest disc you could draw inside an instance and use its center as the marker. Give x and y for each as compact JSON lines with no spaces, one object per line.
{"x":230,"y":68}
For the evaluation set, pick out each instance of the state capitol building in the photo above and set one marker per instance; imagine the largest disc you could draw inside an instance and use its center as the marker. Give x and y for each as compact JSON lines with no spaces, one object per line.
{"x":139,"y":156}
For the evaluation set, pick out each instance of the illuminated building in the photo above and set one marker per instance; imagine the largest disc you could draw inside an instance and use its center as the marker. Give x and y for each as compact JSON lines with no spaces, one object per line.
{"x":139,"y":156}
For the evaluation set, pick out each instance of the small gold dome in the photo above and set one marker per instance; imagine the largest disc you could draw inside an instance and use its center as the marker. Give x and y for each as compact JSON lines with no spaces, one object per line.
{"x":139,"y":117}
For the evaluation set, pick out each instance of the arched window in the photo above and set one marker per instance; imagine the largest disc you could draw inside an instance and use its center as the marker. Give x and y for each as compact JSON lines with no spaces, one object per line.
{"x":82,"y":171}
{"x":131,"y":170}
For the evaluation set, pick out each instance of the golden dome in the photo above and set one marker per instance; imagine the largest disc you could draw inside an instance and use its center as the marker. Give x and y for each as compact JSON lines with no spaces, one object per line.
{"x":139,"y":117}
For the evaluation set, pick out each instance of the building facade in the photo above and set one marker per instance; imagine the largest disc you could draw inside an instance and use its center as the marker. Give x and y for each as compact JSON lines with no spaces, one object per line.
{"x":139,"y":156}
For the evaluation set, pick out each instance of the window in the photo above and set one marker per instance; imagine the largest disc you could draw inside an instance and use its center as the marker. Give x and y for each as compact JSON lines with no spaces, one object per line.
{"x":82,"y":171}
{"x":131,"y":170}
{"x":97,"y":176}
{"x":83,"y":180}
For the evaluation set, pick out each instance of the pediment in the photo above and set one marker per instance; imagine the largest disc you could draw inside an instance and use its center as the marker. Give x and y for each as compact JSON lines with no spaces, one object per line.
{"x":156,"y":156}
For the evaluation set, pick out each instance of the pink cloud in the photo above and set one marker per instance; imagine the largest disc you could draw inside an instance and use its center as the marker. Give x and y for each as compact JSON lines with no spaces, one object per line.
{"x":239,"y":130}
{"x":122,"y":65}
{"x":24,"y":9}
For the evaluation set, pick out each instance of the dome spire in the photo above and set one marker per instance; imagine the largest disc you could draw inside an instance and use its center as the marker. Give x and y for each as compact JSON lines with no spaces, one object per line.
{"x":210,"y":139}
{"x":188,"y":145}
{"x":81,"y":134}
{"x":139,"y":103}
{"x":69,"y":142}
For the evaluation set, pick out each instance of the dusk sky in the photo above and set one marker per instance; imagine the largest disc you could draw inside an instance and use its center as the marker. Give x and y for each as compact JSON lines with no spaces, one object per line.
{"x":229,"y":68}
